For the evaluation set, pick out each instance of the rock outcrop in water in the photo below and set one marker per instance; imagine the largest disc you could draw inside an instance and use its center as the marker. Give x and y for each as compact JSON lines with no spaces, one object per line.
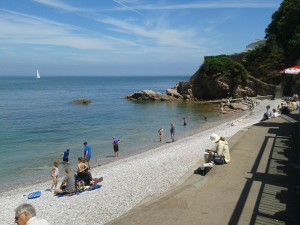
{"x":148,"y":95}
{"x":181,"y":92}
{"x":82,"y":101}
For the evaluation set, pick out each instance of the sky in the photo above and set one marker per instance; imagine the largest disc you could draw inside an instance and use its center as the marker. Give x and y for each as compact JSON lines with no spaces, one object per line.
{"x":125,"y":37}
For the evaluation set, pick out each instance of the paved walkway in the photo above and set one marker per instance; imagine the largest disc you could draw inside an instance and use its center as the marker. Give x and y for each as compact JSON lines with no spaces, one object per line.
{"x":260,"y":185}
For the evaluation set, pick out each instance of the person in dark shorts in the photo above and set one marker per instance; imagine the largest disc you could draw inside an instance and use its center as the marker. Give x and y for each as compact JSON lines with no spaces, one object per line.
{"x":184,"y":121}
{"x":172,"y":131}
{"x":87,"y":154}
{"x":66,"y":156}
{"x":115,"y":142}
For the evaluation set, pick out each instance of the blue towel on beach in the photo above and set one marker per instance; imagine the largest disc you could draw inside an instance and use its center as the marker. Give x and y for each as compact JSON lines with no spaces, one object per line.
{"x":95,"y":187}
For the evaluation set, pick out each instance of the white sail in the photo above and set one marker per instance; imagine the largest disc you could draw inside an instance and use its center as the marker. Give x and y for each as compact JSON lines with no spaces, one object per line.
{"x":38,"y":74}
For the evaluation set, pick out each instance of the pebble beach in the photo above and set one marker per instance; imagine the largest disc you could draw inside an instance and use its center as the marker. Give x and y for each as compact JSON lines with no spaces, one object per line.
{"x":127,"y":182}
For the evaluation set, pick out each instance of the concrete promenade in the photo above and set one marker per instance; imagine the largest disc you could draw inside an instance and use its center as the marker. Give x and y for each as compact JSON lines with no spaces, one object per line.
{"x":260,"y":185}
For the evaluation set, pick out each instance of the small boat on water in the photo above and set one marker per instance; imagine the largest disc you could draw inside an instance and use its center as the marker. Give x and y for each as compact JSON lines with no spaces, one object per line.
{"x":37,"y":74}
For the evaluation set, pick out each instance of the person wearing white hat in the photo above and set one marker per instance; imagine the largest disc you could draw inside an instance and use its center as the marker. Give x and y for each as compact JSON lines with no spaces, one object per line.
{"x":222,"y":149}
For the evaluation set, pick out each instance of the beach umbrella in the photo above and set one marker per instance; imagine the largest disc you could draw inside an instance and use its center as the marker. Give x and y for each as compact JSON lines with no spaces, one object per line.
{"x":291,"y":70}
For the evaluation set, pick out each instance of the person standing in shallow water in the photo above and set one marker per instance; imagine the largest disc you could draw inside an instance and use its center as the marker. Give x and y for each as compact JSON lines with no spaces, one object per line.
{"x":66,"y":156}
{"x":87,"y":154}
{"x":115,"y":143}
{"x":184,"y":121}
{"x":172,"y":131}
{"x":160,"y":134}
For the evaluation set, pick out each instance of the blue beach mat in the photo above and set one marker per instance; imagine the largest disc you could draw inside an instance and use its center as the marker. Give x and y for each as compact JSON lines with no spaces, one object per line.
{"x":35,"y":194}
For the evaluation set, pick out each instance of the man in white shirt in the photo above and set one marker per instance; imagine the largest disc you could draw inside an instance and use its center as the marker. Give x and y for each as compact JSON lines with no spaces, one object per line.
{"x":26,"y":215}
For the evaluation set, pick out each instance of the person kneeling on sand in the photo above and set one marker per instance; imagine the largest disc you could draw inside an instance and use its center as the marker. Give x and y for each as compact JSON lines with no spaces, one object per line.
{"x":83,"y":173}
{"x":68,"y":184}
{"x":222,"y":149}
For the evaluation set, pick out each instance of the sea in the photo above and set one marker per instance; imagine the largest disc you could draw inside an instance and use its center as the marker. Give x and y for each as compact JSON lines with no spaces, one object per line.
{"x":39,"y":121}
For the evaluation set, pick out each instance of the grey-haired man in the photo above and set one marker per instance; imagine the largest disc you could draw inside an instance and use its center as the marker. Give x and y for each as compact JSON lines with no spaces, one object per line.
{"x":25,"y":214}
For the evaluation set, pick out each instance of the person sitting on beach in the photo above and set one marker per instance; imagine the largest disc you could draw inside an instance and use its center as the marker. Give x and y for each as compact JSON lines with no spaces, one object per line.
{"x":285,"y":109}
{"x":83,"y":173}
{"x":222,"y":149}
{"x":26,"y":214}
{"x":68,"y":184}
{"x":160,"y":134}
{"x":268,"y":114}
{"x":54,"y":174}
{"x":275,"y":113}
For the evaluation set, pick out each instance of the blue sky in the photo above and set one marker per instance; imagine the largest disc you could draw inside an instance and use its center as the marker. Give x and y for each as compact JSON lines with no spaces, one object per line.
{"x":125,"y":37}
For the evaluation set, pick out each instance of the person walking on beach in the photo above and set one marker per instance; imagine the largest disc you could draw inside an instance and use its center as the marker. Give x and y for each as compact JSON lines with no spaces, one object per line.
{"x":66,"y":156}
{"x":26,"y":214}
{"x":160,"y":134}
{"x":172,"y":131}
{"x":54,"y":175}
{"x":87,"y":154}
{"x":115,"y":142}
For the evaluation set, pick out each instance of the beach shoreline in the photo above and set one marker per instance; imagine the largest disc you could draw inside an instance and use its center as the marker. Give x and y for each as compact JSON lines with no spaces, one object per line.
{"x":127,"y":181}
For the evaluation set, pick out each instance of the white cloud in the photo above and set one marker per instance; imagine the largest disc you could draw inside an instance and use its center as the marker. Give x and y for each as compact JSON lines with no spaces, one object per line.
{"x":17,"y":28}
{"x":58,"y":4}
{"x":208,"y":5}
{"x":159,"y":35}
{"x":127,"y":7}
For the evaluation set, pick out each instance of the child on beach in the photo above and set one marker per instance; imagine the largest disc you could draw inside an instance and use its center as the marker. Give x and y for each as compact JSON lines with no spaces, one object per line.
{"x":66,"y":156}
{"x":54,"y":174}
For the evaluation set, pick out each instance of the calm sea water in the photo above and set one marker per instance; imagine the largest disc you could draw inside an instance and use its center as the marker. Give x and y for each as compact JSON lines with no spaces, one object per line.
{"x":38,"y":121}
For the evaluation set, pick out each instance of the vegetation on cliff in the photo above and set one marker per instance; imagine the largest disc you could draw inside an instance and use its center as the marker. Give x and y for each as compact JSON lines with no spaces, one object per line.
{"x":218,"y":77}
{"x":281,"y":50}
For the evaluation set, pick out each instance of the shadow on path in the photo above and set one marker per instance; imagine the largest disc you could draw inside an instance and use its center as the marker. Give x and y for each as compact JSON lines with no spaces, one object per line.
{"x":278,"y":198}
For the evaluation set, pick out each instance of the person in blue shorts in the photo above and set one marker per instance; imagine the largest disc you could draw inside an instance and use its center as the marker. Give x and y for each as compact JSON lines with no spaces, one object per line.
{"x":87,"y":155}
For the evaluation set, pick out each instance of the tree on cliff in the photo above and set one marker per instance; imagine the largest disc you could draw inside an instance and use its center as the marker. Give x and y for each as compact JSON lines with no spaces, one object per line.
{"x":219,"y":76}
{"x":282,"y":46}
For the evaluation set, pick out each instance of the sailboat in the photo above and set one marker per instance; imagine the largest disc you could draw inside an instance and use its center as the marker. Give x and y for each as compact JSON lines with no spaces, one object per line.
{"x":37,"y":74}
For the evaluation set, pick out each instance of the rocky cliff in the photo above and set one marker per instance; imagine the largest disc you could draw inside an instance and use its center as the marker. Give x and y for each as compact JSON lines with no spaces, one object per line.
{"x":220,"y":77}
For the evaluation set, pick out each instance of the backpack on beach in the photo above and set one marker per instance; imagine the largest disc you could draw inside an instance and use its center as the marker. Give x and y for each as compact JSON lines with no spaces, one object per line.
{"x":219,"y":160}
